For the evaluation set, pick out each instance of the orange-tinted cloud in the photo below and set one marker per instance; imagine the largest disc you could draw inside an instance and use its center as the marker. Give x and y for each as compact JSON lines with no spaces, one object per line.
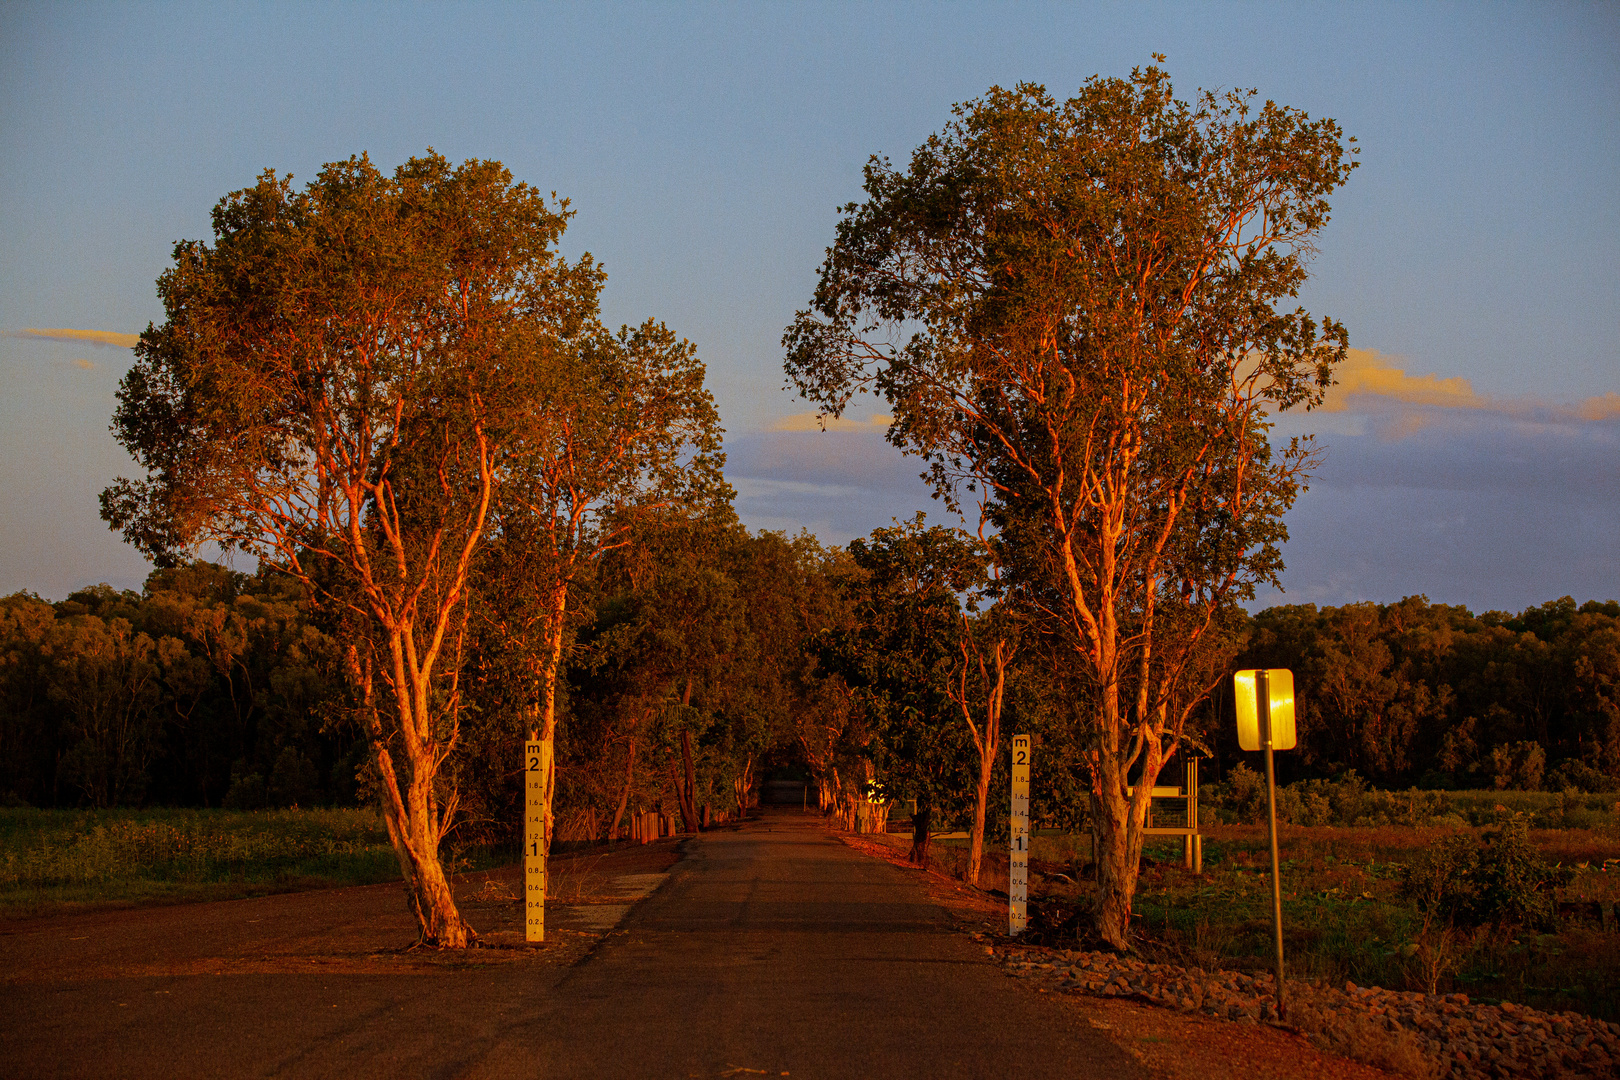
{"x":1366,"y":381}
{"x":88,"y":337}
{"x":1605,"y":407}
{"x":810,"y":421}
{"x":1365,"y":372}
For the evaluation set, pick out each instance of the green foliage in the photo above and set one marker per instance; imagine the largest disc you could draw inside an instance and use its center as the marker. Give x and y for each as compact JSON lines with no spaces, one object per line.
{"x":169,"y":695}
{"x":1499,"y":879}
{"x":1578,"y":776}
{"x":1431,"y":694}
{"x":1347,"y":801}
{"x":346,"y":383}
{"x":1078,"y":312}
{"x":904,"y":653}
{"x":1517,"y":765}
{"x":1243,"y":794}
{"x":58,"y":856}
{"x":247,"y":792}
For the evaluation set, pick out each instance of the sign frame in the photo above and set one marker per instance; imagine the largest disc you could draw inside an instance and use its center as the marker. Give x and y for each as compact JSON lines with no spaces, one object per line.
{"x":1265,"y":716}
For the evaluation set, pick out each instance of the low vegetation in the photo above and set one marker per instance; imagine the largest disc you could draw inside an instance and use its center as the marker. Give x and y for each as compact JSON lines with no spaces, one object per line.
{"x":63,"y":860}
{"x":1516,"y":908}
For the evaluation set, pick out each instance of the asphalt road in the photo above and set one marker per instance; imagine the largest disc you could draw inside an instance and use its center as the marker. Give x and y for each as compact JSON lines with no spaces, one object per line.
{"x":771,"y":950}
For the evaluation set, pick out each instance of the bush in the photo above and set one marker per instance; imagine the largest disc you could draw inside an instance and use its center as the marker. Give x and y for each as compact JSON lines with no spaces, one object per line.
{"x":1345,"y":800}
{"x":1500,"y":879}
{"x":1243,"y":795}
{"x":293,"y":781}
{"x":1519,"y":766}
{"x":247,"y":793}
{"x":1578,"y":776}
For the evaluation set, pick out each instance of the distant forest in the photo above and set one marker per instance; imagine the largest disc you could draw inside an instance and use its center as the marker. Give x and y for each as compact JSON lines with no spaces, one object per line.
{"x":212,"y":687}
{"x":1433,"y":696}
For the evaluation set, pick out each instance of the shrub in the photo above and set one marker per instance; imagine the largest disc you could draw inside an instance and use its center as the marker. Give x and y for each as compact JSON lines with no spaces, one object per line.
{"x":1519,"y":766}
{"x":1243,"y":795}
{"x":1442,"y":879}
{"x":1344,"y":800}
{"x":1500,"y":879}
{"x":247,"y":793}
{"x":1579,"y":776}
{"x":1515,"y":883}
{"x":294,"y":780}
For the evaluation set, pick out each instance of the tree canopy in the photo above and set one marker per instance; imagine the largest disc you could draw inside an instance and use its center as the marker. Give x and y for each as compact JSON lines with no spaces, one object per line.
{"x":342,"y":379}
{"x":1074,"y":310}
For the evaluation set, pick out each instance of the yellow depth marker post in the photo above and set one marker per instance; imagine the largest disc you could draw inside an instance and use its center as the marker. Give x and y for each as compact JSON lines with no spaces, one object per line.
{"x":536,"y":771}
{"x":1018,"y":850}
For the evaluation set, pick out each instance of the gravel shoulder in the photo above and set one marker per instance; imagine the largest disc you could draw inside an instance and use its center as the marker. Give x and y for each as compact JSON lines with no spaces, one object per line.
{"x":1192,"y":1022}
{"x":1170,"y":1044}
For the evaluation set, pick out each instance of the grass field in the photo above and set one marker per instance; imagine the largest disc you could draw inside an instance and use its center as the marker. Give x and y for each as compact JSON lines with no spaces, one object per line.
{"x":1344,"y":914}
{"x":1345,"y":918}
{"x":62,"y":860}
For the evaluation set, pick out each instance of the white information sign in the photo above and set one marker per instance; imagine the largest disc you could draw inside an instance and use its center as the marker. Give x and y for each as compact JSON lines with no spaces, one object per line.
{"x":1018,"y":851}
{"x":536,"y":774}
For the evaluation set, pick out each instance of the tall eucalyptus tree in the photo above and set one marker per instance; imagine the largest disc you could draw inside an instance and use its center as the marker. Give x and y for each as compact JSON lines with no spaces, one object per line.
{"x":1076,"y":309}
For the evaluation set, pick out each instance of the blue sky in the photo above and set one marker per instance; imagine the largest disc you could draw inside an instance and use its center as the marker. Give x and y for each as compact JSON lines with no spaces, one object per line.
{"x":1473,"y":453}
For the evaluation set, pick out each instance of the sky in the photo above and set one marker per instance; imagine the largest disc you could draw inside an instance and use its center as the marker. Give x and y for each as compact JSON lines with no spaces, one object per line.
{"x":1472,"y":450}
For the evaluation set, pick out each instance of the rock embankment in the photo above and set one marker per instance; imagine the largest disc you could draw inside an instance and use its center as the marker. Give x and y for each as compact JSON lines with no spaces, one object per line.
{"x":1442,"y":1035}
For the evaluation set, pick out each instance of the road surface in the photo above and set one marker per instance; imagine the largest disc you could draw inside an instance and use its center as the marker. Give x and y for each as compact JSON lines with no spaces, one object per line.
{"x":770,"y":950}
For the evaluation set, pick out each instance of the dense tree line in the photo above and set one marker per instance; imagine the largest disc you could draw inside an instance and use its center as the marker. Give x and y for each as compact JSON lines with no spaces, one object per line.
{"x":691,"y":672}
{"x":1414,"y":693}
{"x":707,"y":656}
{"x":208,"y":688}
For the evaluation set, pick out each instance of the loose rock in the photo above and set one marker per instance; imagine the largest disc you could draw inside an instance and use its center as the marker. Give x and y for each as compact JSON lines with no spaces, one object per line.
{"x":1442,"y":1035}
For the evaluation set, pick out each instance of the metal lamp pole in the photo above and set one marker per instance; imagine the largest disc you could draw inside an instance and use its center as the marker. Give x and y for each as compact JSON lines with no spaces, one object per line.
{"x":1262,"y":694}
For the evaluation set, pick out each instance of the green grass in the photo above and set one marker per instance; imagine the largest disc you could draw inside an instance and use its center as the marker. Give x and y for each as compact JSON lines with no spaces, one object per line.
{"x":1543,"y":809}
{"x":1344,"y":916}
{"x":56,"y":860}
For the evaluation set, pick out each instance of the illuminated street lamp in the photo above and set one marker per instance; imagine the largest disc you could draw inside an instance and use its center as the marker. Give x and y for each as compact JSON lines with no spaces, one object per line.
{"x":1265,"y":718}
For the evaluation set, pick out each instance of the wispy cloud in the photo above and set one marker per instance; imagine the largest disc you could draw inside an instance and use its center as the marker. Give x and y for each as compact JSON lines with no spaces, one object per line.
{"x":1476,"y":508}
{"x":1428,"y":486}
{"x":110,"y":338}
{"x":809,"y":421}
{"x":1366,"y":373}
{"x":1369,"y":382}
{"x":840,"y":486}
{"x":759,"y":487}
{"x":83,"y":364}
{"x":1604,"y":407}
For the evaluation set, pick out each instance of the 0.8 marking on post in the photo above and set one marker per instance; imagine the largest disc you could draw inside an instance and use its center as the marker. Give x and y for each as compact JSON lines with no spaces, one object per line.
{"x":1018,"y":851}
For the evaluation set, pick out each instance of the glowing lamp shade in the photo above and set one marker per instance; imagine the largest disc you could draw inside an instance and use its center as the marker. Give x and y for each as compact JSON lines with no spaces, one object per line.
{"x":1282,"y":709}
